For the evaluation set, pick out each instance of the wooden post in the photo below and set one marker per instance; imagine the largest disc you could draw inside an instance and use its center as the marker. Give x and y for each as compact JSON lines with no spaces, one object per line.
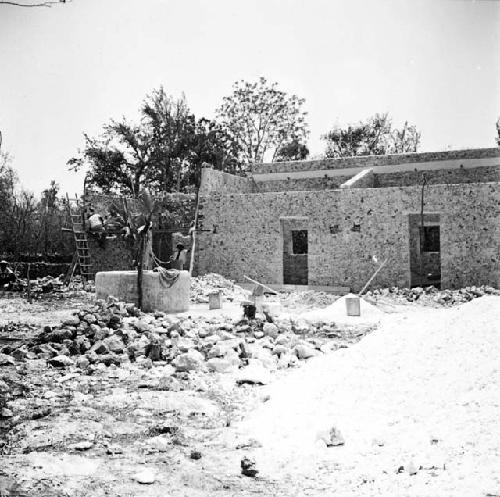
{"x":139,"y":271}
{"x":193,"y":235}
{"x":29,"y":283}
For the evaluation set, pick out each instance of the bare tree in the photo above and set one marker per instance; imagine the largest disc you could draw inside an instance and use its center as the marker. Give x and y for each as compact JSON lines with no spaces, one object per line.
{"x":40,"y":4}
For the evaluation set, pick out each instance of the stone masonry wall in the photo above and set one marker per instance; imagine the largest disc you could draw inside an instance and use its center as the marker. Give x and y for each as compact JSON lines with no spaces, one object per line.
{"x":374,"y":160}
{"x":175,"y":212}
{"x":301,"y":184}
{"x":347,"y":227}
{"x":482,"y":174}
{"x":218,"y":181}
{"x":364,"y":179}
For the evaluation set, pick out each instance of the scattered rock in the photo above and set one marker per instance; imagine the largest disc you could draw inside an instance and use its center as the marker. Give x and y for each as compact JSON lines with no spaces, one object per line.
{"x":248,"y":467}
{"x":195,"y":454}
{"x":303,"y":351}
{"x":332,"y":437}
{"x":270,"y":330}
{"x":61,"y":361}
{"x":189,"y":361}
{"x":81,"y":446}
{"x":220,"y":365}
{"x":411,"y":468}
{"x":146,"y":477}
{"x":6,"y":360}
{"x":254,"y":373}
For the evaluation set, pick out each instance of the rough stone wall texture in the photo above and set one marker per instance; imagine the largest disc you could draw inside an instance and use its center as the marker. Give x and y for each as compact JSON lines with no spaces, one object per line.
{"x":364,"y":179}
{"x":301,"y":184}
{"x":117,"y":254}
{"x":482,"y":174}
{"x":374,"y":160}
{"x":218,"y":181}
{"x":248,"y":238}
{"x":175,"y":212}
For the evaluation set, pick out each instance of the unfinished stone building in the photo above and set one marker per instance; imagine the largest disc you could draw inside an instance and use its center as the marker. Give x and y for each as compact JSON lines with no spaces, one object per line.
{"x":320,"y":223}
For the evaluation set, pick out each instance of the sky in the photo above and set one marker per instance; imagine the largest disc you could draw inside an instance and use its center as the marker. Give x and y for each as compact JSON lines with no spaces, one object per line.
{"x":71,"y":68}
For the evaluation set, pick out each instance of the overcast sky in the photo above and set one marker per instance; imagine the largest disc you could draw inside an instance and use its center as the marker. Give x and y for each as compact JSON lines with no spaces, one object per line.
{"x":68,"y":69}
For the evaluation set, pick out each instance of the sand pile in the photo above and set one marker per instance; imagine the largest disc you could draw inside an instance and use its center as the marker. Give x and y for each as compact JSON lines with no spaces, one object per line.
{"x":420,"y":393}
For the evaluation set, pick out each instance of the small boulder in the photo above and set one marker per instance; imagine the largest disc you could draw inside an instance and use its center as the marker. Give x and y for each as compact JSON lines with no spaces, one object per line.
{"x":145,"y":477}
{"x":82,"y":362}
{"x":280,"y":350}
{"x":254,"y":373}
{"x":100,"y":348}
{"x":114,"y":344}
{"x":248,"y":467}
{"x":60,"y":361}
{"x":6,"y":360}
{"x":142,"y":326}
{"x":270,"y":330}
{"x":303,"y":351}
{"x":220,"y":365}
{"x":81,"y":446}
{"x":332,"y":437}
{"x":72,"y":321}
{"x":195,"y":454}
{"x":59,"y":335}
{"x":90,"y":318}
{"x":189,"y":361}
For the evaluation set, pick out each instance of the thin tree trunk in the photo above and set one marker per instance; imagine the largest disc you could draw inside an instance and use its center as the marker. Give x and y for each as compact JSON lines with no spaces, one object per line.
{"x":140,"y":261}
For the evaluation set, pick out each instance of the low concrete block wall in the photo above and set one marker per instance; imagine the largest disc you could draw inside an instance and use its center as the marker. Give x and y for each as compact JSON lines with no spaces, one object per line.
{"x":157,"y":296}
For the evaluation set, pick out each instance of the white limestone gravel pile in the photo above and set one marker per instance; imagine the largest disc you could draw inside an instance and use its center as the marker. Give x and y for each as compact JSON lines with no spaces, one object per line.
{"x":419,"y":395}
{"x":203,"y":286}
{"x":337,"y":313}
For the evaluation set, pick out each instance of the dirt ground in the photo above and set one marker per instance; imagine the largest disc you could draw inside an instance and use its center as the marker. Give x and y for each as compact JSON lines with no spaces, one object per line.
{"x":136,"y":430}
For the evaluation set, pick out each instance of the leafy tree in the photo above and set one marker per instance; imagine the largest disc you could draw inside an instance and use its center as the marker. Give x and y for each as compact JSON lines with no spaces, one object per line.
{"x":119,"y":159}
{"x":171,"y":127}
{"x":293,"y":150}
{"x":376,"y":136}
{"x":210,"y":144}
{"x":163,"y":152}
{"x":260,"y":119}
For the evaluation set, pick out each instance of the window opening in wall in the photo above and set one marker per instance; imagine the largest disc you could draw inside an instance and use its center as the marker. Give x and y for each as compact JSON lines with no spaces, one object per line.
{"x":431,"y":239}
{"x":299,"y":242}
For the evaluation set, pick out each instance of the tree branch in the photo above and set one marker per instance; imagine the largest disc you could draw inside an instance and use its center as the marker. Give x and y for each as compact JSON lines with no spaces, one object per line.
{"x":42,"y":4}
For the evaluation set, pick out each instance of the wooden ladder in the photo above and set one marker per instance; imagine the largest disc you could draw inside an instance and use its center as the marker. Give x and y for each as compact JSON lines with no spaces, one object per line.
{"x":81,"y":241}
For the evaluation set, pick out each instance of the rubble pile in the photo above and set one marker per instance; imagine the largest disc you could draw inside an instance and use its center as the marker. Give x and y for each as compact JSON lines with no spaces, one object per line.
{"x":113,"y":333}
{"x":308,"y":299}
{"x":203,"y":286}
{"x":432,"y":296}
{"x":54,"y":286}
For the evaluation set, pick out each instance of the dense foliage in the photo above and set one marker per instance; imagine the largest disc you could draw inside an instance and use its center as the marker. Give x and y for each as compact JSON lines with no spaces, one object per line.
{"x":165,"y":149}
{"x":29,"y":225}
{"x":163,"y":152}
{"x":262,"y":120}
{"x":375,"y":136}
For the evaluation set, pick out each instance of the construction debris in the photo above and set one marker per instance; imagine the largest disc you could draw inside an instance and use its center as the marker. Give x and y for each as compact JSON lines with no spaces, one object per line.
{"x":203,"y":286}
{"x":431,"y":295}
